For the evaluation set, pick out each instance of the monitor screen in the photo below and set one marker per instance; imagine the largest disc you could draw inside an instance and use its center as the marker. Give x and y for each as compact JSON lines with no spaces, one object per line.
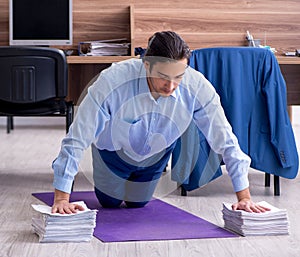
{"x":40,"y":22}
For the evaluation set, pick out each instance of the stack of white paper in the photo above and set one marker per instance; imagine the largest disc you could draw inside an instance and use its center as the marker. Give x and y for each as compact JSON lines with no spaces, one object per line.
{"x":273,"y":222}
{"x":55,"y":227}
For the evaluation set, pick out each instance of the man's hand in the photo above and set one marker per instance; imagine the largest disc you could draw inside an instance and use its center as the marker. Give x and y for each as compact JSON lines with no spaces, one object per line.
{"x":62,"y":205}
{"x":249,"y":206}
{"x":245,"y":203}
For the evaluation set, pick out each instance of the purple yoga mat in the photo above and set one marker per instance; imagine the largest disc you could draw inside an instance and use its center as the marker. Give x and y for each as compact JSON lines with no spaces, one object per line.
{"x":156,"y":221}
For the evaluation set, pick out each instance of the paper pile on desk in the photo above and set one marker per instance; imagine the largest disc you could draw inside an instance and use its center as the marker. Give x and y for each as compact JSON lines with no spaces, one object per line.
{"x":110,"y":47}
{"x":273,"y":222}
{"x":55,"y":227}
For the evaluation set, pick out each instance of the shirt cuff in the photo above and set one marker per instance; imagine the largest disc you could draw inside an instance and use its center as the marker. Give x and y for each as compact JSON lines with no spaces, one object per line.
{"x":240,"y":183}
{"x":62,"y":184}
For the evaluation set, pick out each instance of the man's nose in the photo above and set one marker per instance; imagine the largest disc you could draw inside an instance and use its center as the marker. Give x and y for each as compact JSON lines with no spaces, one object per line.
{"x":171,"y":84}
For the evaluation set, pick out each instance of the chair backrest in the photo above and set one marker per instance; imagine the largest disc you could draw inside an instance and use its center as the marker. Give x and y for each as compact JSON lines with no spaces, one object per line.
{"x":32,"y":74}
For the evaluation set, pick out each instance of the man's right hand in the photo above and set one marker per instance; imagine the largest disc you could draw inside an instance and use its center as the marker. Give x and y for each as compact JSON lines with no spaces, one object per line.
{"x":62,"y":205}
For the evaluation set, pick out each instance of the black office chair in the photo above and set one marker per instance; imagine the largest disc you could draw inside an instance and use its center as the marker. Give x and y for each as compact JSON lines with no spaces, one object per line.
{"x":34,"y":82}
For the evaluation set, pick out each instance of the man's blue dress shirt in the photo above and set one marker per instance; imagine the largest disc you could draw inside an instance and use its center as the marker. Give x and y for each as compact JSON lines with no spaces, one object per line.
{"x":119,"y":113}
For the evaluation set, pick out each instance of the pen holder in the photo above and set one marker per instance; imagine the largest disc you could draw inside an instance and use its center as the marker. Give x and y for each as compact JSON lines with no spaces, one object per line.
{"x":254,"y":43}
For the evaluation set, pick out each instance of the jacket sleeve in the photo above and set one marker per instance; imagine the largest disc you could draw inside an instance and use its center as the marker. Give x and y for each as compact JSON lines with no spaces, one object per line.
{"x":281,"y":133}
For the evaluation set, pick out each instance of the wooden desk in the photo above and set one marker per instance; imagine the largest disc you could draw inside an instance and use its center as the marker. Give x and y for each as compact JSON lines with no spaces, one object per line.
{"x":83,"y":68}
{"x":96,"y":59}
{"x":290,"y":68}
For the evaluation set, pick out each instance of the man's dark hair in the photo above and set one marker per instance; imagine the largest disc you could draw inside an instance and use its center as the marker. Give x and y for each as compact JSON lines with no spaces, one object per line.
{"x":166,"y":46}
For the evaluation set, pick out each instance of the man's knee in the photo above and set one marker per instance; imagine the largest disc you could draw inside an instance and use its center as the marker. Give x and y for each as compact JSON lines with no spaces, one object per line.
{"x":135,"y":204}
{"x":110,"y":203}
{"x":107,"y":201}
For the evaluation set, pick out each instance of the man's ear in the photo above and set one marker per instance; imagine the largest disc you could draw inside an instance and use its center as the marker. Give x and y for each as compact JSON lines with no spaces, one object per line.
{"x":147,"y":65}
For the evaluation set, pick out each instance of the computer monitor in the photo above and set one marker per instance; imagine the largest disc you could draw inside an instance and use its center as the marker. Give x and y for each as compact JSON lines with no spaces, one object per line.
{"x":40,"y":22}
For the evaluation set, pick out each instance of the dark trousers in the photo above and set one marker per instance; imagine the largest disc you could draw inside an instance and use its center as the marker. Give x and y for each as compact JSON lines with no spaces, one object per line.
{"x":118,"y":178}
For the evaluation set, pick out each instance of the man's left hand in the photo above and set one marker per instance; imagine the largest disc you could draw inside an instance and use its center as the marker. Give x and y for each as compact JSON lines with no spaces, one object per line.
{"x":249,"y":206}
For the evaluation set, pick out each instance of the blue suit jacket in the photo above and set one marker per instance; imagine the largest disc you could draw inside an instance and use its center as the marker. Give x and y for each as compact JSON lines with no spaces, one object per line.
{"x":253,"y":95}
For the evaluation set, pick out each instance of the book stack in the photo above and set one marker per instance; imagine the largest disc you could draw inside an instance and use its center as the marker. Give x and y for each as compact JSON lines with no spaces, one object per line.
{"x":55,"y":227}
{"x":112,"y":47}
{"x":273,"y":222}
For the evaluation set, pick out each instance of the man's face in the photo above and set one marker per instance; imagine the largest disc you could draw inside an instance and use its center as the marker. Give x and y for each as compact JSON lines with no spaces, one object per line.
{"x":164,"y":77}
